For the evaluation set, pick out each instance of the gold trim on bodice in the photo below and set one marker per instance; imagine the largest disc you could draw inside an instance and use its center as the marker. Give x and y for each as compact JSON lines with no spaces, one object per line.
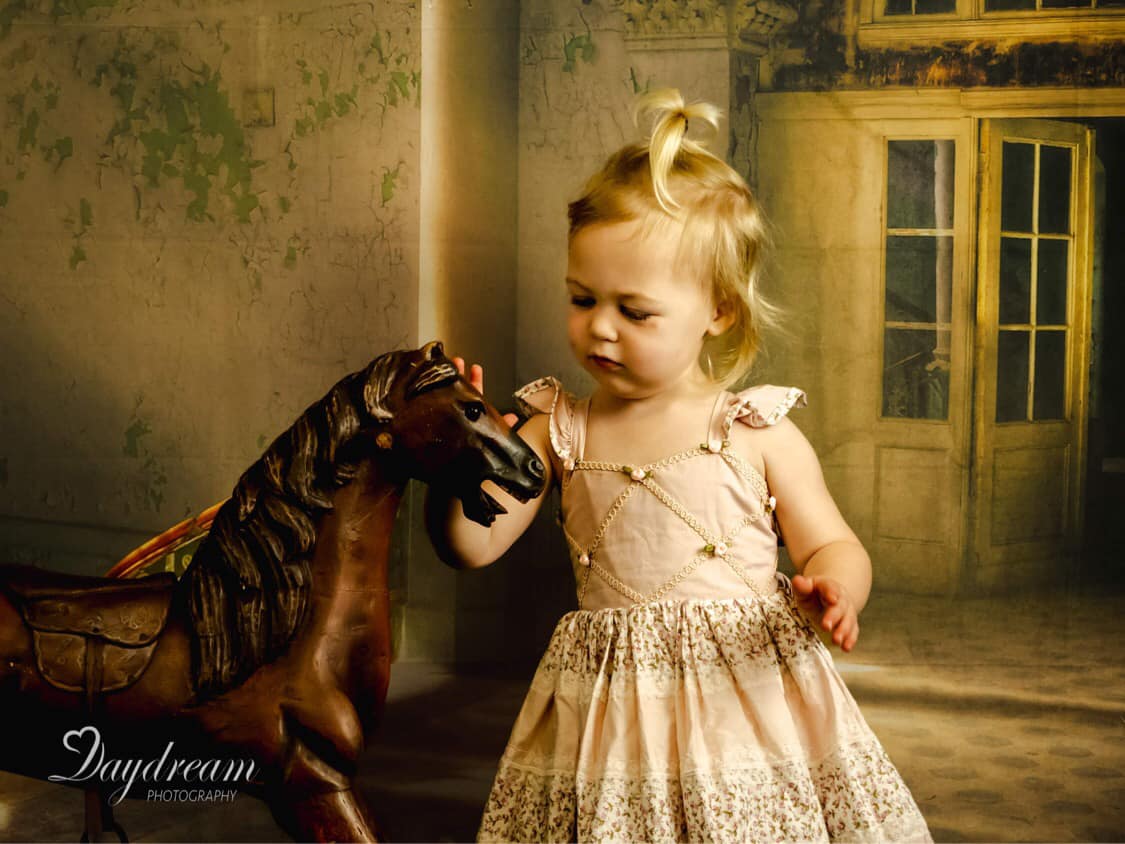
{"x":643,"y":477}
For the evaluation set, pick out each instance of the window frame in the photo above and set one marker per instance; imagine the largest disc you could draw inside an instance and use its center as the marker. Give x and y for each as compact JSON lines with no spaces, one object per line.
{"x":971,"y":21}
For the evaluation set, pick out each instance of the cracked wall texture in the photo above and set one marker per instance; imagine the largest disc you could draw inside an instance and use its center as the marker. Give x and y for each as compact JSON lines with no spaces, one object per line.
{"x":208,"y":214}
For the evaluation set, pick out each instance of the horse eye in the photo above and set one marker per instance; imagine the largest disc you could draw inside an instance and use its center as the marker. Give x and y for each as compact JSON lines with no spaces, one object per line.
{"x":474,"y":411}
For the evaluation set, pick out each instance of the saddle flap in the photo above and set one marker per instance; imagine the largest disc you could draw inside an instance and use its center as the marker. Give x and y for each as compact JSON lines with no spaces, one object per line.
{"x":65,"y":661}
{"x":128,"y":613}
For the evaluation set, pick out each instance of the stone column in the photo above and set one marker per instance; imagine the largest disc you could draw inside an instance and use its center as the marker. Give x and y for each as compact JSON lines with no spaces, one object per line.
{"x":467,"y":285}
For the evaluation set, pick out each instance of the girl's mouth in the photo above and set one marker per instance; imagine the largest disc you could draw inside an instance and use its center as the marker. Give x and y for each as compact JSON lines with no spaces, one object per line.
{"x":605,"y":363}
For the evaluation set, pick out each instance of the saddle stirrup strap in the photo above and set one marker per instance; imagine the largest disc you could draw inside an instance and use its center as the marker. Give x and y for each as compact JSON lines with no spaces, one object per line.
{"x":99,"y":814}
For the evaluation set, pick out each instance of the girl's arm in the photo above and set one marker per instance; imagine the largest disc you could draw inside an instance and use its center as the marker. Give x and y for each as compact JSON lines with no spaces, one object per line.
{"x":834,"y":578}
{"x":463,"y":543}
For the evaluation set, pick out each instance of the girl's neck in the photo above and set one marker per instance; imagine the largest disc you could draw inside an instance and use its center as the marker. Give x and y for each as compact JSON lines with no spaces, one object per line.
{"x":642,"y":431}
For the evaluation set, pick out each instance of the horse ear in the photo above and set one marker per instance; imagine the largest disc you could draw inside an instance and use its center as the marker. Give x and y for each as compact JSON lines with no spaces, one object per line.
{"x":433,"y":350}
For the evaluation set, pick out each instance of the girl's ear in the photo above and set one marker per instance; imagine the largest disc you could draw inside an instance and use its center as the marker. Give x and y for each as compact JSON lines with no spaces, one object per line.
{"x":721,"y":319}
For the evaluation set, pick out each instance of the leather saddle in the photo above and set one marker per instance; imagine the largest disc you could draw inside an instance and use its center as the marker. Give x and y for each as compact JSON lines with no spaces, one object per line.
{"x":91,"y":634}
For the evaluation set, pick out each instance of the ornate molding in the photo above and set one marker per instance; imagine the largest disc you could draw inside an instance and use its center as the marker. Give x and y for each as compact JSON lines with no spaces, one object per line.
{"x":706,"y":24}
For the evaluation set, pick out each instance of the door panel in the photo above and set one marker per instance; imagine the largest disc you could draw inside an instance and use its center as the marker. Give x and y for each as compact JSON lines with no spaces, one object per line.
{"x":921,"y":404}
{"x":1031,"y":339}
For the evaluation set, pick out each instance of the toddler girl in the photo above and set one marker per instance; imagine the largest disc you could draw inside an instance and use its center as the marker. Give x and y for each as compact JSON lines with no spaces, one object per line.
{"x":689,"y":698}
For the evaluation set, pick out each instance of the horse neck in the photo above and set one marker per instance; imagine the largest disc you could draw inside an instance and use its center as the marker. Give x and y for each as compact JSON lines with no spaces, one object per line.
{"x":354,"y":539}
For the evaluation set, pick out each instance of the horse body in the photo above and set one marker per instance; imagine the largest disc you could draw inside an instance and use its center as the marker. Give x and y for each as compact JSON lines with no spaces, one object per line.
{"x":301,"y":714}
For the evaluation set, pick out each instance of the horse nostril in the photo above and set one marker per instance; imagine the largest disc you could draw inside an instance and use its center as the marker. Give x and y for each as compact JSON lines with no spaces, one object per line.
{"x":535,"y":468}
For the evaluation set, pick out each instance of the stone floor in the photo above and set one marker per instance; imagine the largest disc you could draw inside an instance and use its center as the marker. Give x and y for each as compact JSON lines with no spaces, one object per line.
{"x":1006,"y":717}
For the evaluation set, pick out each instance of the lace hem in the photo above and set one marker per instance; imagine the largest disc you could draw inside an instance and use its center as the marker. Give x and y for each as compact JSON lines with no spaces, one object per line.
{"x":855,"y":794}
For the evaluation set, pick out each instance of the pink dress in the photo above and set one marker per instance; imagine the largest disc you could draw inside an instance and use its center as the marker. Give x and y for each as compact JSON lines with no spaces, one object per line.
{"x":687,"y":699}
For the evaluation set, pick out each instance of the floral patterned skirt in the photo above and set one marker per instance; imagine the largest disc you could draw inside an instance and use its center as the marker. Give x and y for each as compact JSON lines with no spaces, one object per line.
{"x":713,"y":720}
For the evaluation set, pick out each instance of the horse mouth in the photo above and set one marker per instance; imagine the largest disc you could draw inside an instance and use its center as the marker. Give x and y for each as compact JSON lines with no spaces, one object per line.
{"x":483,"y":509}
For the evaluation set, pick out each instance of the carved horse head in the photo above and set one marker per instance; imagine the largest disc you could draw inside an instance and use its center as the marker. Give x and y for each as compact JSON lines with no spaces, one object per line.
{"x":443,"y":431}
{"x":410,"y":412}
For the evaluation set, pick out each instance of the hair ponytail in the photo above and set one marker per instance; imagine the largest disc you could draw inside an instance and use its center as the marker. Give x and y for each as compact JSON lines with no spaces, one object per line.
{"x":670,"y":121}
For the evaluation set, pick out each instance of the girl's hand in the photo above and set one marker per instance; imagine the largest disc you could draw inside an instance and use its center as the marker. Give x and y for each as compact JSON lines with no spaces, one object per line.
{"x":476,"y":381}
{"x":826,"y":599}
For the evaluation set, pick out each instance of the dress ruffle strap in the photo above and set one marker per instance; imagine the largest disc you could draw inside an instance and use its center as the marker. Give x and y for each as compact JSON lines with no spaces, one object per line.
{"x":762,"y":406}
{"x":547,"y":395}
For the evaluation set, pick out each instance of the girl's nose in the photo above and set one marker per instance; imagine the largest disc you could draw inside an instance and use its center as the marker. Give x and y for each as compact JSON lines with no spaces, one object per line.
{"x":601,"y":325}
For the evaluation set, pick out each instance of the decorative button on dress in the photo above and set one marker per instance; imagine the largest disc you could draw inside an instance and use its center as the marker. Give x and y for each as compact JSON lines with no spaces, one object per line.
{"x":687,"y":699}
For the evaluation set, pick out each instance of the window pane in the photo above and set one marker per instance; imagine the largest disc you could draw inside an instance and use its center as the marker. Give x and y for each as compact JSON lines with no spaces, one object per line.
{"x":920,"y":184}
{"x":899,"y":7}
{"x":1050,"y":302}
{"x":1018,"y":175}
{"x":916,"y":373}
{"x":1054,"y":190}
{"x":1050,"y":375}
{"x":1058,"y":4}
{"x":1015,"y":280}
{"x":1007,"y":5}
{"x":919,"y":278}
{"x":1011,"y":376}
{"x":934,"y":7}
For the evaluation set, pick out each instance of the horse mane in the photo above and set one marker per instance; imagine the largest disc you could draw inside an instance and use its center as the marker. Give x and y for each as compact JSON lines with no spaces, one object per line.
{"x":247,"y":588}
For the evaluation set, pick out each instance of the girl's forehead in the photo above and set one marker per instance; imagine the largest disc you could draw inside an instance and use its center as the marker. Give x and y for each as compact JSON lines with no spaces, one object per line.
{"x":630,"y":258}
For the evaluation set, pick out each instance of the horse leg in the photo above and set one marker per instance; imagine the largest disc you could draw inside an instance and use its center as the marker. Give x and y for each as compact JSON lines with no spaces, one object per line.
{"x":100,"y":823}
{"x":316,"y":800}
{"x":324,"y":816}
{"x":16,"y":657}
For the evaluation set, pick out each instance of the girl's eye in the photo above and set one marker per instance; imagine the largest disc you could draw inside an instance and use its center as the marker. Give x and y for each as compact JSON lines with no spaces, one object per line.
{"x":635,"y":315}
{"x":582,"y":301}
{"x":474,"y":411}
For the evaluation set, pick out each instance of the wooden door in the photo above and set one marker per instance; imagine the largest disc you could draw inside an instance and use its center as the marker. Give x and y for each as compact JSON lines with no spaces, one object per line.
{"x":922,"y":393}
{"x":1032,"y":350}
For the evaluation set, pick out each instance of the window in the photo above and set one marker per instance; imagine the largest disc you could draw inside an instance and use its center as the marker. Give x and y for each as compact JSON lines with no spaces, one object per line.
{"x":908,"y":24}
{"x":1035,"y":256}
{"x":918,"y":278}
{"x":892,"y":8}
{"x":919,"y":7}
{"x":1040,"y":5}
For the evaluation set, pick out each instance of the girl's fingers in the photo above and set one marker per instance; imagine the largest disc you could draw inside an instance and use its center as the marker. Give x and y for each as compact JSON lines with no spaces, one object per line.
{"x":511,"y":419}
{"x":846,"y":631}
{"x":475,"y":376}
{"x":828,"y":593}
{"x":831,"y":619}
{"x":840,"y":617}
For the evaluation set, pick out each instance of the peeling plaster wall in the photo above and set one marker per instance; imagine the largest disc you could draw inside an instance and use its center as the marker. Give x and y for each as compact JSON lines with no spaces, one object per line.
{"x":208,"y":214}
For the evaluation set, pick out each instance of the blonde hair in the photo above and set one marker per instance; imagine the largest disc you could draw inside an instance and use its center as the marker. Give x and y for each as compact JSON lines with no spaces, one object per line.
{"x":671,"y":178}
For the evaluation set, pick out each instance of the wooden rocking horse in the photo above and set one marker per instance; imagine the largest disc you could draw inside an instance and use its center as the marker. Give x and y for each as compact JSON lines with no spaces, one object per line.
{"x":275,"y":644}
